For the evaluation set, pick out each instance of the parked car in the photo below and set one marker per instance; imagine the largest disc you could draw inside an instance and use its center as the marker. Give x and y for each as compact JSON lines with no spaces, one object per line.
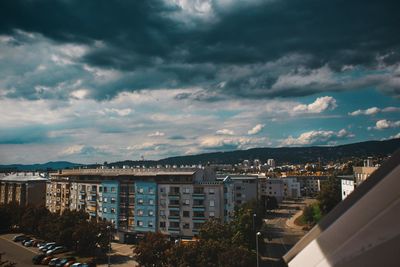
{"x":40,"y":244}
{"x":28,"y":243}
{"x":69,"y":264}
{"x":37,"y":259}
{"x":47,"y":259}
{"x":78,"y":264}
{"x":36,"y":242}
{"x":56,"y":250}
{"x":19,"y":238}
{"x":54,"y":261}
{"x":64,"y":261}
{"x":48,"y":246}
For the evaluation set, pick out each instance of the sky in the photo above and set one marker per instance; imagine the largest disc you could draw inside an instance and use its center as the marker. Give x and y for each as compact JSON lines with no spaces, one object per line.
{"x":98,"y":80}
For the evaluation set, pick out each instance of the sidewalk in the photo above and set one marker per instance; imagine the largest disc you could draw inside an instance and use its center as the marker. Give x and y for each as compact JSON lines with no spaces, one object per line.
{"x":290,"y":222}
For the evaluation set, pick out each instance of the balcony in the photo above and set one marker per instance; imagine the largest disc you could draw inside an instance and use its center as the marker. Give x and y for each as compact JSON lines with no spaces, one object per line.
{"x":173,"y":193}
{"x":173,"y":217}
{"x":174,"y":229}
{"x":198,"y":195}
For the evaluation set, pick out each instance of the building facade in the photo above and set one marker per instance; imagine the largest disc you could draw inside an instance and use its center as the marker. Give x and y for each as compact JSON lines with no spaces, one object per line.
{"x":175,"y":202}
{"x":26,"y":188}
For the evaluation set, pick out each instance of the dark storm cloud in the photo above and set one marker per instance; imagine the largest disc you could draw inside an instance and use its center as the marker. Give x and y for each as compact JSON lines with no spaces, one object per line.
{"x":228,"y":56}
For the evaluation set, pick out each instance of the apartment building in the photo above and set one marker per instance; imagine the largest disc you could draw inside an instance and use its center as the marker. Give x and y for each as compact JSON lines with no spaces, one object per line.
{"x":24,"y":188}
{"x":174,"y":201}
{"x":58,"y":195}
{"x":244,"y":187}
{"x":271,"y":187}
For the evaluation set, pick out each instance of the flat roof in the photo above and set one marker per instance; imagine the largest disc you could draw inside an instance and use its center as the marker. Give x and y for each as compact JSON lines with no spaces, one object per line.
{"x":29,"y":177}
{"x":125,"y":172}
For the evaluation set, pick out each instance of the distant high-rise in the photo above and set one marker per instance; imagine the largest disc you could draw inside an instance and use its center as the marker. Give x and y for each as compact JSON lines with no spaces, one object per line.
{"x":271,"y":163}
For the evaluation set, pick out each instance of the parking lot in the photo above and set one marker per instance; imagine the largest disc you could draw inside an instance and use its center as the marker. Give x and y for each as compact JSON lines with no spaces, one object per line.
{"x":15,"y":252}
{"x":121,"y":255}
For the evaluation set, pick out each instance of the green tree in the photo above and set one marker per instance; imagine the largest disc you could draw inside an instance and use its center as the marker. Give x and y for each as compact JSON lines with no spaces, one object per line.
{"x":152,"y":250}
{"x":330,"y":194}
{"x":216,"y":230}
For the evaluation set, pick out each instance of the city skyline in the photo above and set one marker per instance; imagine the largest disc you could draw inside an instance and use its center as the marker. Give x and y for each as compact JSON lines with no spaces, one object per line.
{"x":100,"y":81}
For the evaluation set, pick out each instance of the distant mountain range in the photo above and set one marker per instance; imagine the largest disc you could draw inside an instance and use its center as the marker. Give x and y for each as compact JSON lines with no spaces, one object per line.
{"x":281,"y":155}
{"x":52,"y":165}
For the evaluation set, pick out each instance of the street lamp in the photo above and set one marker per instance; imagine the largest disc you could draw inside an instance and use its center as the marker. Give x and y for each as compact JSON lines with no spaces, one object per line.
{"x":254,"y":221}
{"x":109,"y":245}
{"x":257,"y":236}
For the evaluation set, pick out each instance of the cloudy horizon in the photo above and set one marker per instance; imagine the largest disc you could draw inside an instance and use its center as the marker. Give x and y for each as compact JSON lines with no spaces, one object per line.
{"x":93,"y":81}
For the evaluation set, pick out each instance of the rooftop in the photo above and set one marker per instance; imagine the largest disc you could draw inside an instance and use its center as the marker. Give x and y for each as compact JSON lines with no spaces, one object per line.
{"x":130,"y":172}
{"x":23,"y":177}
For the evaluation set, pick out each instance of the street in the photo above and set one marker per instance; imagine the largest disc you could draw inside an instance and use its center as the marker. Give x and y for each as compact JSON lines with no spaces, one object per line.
{"x":280,"y":234}
{"x":15,"y":252}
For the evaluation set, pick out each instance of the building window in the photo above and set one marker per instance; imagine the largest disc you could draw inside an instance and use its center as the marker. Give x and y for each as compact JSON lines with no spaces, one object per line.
{"x":162,"y":189}
{"x":100,"y":189}
{"x":112,"y":210}
{"x":186,"y":190}
{"x":174,"y":224}
{"x":113,"y":200}
{"x":105,"y":189}
{"x":151,"y":213}
{"x":186,"y":202}
{"x":174,"y":213}
{"x":162,"y":212}
{"x":186,"y":226}
{"x":140,"y":190}
{"x":105,"y":210}
{"x":140,"y":201}
{"x":198,"y":214}
{"x":186,"y":213}
{"x":113,"y":189}
{"x":140,"y":212}
{"x":211,"y":191}
{"x":139,"y":223}
{"x":151,"y":190}
{"x":162,"y":224}
{"x":150,"y":224}
{"x":212,"y":214}
{"x":105,"y":200}
{"x":212,"y":203}
{"x":151,"y":202}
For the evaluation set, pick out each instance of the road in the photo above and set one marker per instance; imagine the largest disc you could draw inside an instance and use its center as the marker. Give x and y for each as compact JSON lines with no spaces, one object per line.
{"x":278,"y":236}
{"x":15,"y":252}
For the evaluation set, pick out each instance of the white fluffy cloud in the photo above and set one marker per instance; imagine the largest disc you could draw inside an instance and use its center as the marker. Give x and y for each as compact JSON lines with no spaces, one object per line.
{"x":319,"y":105}
{"x":156,"y":134}
{"x":317,"y":137}
{"x":373,"y":111}
{"x":237,"y":142}
{"x":225,"y":132}
{"x":386,"y":124}
{"x":256,"y":129}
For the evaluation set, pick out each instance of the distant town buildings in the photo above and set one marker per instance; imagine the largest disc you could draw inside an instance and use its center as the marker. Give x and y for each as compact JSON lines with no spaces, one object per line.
{"x":271,"y":163}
